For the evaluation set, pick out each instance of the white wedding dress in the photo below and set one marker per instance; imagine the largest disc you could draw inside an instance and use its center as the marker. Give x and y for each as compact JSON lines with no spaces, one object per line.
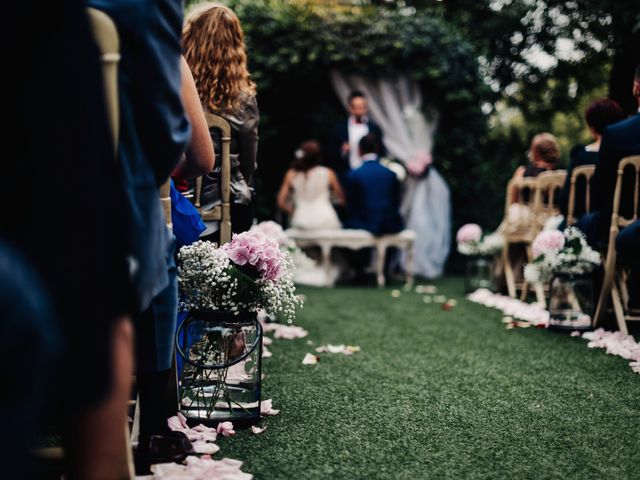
{"x":313,"y":211}
{"x":312,"y":201}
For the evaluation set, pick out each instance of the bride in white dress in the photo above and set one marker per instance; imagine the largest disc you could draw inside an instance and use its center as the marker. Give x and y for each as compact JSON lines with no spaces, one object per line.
{"x":310,"y":186}
{"x":305,"y":195}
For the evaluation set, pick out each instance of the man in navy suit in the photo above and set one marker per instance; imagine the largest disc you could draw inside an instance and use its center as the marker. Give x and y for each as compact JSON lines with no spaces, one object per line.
{"x":619,"y":140}
{"x":344,"y":154}
{"x":373,"y":192}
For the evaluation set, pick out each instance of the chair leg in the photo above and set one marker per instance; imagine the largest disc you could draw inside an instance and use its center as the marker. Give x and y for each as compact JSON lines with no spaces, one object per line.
{"x":617,"y":308}
{"x":607,"y":283}
{"x":525,"y":284}
{"x":135,"y":427}
{"x":508,"y":272}
{"x":326,"y":261}
{"x":409,"y":265}
{"x":381,"y":253}
{"x":540,"y":298}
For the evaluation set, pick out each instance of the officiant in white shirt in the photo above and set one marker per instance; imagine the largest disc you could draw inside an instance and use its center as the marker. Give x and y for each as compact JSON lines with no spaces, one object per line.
{"x":343,"y":154}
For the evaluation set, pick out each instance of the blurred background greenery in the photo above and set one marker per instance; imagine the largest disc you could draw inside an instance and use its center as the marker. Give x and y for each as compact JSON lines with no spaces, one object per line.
{"x":497,"y":71}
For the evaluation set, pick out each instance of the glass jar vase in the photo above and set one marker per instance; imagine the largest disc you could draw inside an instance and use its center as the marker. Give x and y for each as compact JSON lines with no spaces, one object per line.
{"x":570,"y":302}
{"x":220,"y":372}
{"x":479,"y":273}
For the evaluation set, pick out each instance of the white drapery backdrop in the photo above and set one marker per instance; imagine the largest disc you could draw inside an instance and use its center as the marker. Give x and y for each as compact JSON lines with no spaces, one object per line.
{"x":396,"y":106}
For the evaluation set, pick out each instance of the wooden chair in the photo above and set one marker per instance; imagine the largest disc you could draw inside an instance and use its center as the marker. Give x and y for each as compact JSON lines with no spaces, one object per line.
{"x":221,"y":212}
{"x":614,"y":283}
{"x":586,"y":172}
{"x":518,"y":226}
{"x":539,"y":205}
{"x":545,"y":206}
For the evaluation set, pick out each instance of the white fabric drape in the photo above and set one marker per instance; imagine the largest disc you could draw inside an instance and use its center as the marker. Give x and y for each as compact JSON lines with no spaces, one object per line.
{"x":396,"y":106}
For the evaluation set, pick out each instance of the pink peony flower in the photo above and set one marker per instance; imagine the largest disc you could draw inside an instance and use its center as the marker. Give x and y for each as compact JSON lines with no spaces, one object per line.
{"x":470,"y":232}
{"x":239,"y":255}
{"x":257,"y":250}
{"x":547,"y":241}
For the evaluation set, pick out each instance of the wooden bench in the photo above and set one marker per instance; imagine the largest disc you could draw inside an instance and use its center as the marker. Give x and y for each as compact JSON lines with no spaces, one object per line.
{"x":355,"y":240}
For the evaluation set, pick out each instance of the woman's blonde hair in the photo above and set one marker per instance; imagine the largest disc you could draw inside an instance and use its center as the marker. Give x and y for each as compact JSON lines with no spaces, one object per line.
{"x":544,"y":146}
{"x":213,"y":45}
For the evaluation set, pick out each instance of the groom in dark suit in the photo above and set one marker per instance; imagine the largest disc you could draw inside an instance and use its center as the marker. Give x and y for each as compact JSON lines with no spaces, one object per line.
{"x":373,"y":192}
{"x":344,"y":154}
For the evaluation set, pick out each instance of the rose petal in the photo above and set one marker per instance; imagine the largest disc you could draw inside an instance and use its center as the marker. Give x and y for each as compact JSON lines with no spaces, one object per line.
{"x":257,"y":430}
{"x":204,"y":447}
{"x":310,"y":359}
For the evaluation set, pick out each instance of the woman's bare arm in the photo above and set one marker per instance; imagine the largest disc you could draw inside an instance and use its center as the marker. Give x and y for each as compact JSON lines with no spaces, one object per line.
{"x":199,"y":156}
{"x":337,"y":189}
{"x":283,"y":195}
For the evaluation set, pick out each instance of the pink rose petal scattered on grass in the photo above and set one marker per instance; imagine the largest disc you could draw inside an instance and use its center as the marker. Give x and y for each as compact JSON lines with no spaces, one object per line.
{"x":201,"y":468}
{"x":310,"y":359}
{"x":266,"y":408}
{"x":257,"y":430}
{"x":225,"y":429}
{"x":205,"y":447}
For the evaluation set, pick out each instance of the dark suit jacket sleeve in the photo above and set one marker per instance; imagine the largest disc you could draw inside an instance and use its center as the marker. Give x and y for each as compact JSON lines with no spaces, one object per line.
{"x":564,"y":195}
{"x":354,"y":196}
{"x":604,"y":177}
{"x":248,"y":140}
{"x":334,"y":158}
{"x":164,"y":131}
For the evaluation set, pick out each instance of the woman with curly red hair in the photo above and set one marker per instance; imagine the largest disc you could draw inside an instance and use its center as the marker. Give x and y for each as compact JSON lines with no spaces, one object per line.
{"x":213,"y":45}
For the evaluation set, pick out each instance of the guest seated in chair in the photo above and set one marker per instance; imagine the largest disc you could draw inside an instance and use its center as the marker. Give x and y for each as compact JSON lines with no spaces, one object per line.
{"x":213,"y":44}
{"x":619,"y":140}
{"x":373,"y":192}
{"x":628,"y":250}
{"x":543,"y":156}
{"x":599,"y":115}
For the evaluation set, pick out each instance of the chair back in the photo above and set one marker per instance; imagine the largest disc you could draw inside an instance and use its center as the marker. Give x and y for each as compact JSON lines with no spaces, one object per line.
{"x":221,"y":212}
{"x":108,"y":42}
{"x":545,"y":204}
{"x":586,"y":172}
{"x":617,"y":219}
{"x":519,"y":208}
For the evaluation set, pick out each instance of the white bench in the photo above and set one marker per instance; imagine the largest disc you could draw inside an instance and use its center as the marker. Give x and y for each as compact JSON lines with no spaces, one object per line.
{"x":355,"y":240}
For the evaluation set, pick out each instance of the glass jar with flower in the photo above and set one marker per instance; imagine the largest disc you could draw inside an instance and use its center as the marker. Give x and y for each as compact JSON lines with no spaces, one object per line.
{"x":480,"y":250}
{"x":565,"y":261}
{"x":220,"y":342}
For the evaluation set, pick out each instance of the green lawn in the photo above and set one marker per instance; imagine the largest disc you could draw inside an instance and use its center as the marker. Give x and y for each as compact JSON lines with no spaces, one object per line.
{"x":439,"y":394}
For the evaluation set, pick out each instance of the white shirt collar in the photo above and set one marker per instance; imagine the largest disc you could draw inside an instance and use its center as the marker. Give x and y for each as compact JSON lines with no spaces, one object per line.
{"x":352,"y":120}
{"x":369,"y":157}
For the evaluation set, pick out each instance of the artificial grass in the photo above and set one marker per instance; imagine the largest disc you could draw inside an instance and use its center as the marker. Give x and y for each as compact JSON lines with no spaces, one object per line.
{"x":439,"y":394}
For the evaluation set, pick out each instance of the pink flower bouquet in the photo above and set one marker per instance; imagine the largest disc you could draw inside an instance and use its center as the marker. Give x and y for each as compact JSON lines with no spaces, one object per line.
{"x":560,"y":252}
{"x":251,"y":273}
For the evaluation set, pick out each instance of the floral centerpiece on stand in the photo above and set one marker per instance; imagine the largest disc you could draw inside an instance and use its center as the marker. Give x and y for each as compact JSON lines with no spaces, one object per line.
{"x":220,"y":342}
{"x":565,"y":261}
{"x":481,"y":248}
